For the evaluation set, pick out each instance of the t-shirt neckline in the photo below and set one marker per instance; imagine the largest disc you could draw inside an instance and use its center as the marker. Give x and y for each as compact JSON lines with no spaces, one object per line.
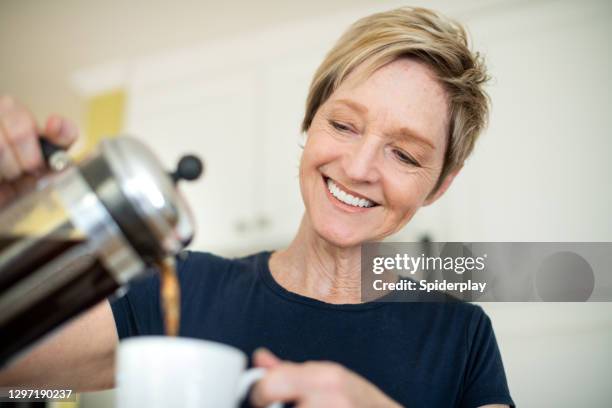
{"x":263,"y":270}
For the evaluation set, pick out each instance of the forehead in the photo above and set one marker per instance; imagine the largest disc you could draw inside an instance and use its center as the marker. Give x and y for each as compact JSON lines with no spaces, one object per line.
{"x":402,"y":94}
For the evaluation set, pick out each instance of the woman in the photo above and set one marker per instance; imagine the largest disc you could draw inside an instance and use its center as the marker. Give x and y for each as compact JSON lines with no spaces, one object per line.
{"x":392,"y":113}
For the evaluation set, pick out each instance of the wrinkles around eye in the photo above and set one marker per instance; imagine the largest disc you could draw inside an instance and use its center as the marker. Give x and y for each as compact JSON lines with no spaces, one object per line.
{"x":406,"y":158}
{"x":342,"y":127}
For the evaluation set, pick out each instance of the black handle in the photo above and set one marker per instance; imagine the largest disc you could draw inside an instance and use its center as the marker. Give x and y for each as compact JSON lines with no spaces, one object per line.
{"x":48,"y":148}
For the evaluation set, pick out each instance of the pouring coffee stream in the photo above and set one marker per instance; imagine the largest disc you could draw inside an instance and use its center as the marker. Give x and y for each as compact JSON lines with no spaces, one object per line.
{"x":170,"y":294}
{"x":188,"y":168}
{"x":86,"y":230}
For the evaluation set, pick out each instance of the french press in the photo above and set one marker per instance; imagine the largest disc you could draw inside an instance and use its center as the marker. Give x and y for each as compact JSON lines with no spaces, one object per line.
{"x":84,"y":231}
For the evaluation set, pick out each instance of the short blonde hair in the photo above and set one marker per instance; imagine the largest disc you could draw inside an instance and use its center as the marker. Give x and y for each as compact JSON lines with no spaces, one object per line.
{"x":439,"y":42}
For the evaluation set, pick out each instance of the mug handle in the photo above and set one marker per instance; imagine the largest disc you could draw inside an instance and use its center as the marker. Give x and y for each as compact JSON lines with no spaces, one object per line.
{"x":247,"y":380}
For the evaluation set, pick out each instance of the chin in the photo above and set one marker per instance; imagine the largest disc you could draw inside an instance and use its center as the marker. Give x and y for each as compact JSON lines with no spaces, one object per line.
{"x":340,"y":236}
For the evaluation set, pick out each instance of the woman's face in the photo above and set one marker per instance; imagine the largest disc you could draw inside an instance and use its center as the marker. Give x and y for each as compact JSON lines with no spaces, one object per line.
{"x":374,"y":152}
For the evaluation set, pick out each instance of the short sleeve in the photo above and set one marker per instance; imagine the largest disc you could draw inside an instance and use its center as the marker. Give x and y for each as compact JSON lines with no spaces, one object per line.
{"x":485,"y":379}
{"x":138,"y":311}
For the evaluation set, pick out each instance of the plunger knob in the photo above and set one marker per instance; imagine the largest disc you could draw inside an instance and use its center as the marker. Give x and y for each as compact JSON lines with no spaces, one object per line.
{"x":190,"y":167}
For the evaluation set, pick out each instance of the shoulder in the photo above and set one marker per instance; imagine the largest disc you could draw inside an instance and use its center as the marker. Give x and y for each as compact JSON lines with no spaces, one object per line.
{"x":470,"y":321}
{"x":469,"y":314}
{"x":451,"y":318}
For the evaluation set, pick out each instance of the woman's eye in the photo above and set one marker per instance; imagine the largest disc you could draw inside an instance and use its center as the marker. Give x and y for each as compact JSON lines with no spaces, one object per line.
{"x":405,"y":158}
{"x":340,"y":126}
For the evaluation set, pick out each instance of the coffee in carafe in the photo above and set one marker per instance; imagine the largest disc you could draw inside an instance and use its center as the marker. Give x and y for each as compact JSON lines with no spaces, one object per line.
{"x":85,"y":231}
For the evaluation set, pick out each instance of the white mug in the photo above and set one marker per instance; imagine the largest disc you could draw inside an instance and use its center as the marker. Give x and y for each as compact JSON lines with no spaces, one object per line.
{"x":161,"y":372}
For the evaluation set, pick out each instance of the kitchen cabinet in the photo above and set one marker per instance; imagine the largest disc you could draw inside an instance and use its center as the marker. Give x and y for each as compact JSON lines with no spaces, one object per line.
{"x":213,"y":117}
{"x":245,"y":124}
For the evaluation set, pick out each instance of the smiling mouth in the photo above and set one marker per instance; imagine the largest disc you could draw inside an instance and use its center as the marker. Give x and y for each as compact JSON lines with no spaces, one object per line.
{"x":348,"y":198}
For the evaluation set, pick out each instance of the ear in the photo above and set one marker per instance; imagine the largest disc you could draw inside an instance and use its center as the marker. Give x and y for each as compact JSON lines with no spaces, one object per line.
{"x":448,"y":180}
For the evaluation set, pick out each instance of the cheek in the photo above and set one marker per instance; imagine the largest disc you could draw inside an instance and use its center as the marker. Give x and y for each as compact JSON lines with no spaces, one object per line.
{"x":311,"y":160}
{"x":320,"y":149}
{"x":406,"y":196}
{"x":303,"y":172}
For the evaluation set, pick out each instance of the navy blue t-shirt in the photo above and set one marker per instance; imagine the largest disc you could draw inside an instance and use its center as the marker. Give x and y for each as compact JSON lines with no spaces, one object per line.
{"x":419,"y":354}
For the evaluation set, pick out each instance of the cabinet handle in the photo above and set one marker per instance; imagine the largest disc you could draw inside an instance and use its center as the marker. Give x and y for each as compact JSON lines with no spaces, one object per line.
{"x":263,"y":222}
{"x":241,"y":226}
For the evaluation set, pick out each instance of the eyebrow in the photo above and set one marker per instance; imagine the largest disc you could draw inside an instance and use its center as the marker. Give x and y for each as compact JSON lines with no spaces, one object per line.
{"x":412,"y":135}
{"x":353,"y":105}
{"x":403,"y":132}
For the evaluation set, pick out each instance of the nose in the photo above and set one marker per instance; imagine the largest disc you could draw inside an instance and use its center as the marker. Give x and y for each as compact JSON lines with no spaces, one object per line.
{"x":361,"y":161}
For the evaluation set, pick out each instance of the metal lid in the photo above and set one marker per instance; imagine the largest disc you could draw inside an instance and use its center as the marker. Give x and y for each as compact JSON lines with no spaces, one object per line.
{"x":151,"y":191}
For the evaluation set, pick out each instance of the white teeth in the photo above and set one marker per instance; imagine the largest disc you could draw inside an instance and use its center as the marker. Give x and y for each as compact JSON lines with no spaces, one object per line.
{"x":346,"y":197}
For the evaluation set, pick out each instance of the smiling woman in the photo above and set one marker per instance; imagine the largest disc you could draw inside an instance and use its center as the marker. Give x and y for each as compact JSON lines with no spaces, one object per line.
{"x":393,"y":111}
{"x":368,"y":152}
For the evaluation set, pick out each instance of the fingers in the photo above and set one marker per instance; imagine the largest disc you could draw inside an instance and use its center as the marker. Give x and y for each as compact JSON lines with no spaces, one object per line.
{"x":313,"y":384}
{"x":20,"y":150}
{"x":300,"y":383}
{"x":303,"y":383}
{"x":6,"y":193}
{"x":280,"y":384}
{"x":20,"y":141}
{"x":16,"y":128}
{"x":264,"y":358}
{"x":9,"y":167}
{"x":61,"y":131}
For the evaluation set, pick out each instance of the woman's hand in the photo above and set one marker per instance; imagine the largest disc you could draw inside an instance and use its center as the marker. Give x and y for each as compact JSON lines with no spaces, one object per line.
{"x":20,"y":152}
{"x":313,"y":384}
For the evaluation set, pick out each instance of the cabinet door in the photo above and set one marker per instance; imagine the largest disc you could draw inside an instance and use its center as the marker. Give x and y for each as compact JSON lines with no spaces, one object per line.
{"x":285,"y":90}
{"x":213,"y":118}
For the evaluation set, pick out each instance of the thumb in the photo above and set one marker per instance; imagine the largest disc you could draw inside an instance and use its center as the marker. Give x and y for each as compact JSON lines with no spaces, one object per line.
{"x":264,"y":358}
{"x":61,"y":131}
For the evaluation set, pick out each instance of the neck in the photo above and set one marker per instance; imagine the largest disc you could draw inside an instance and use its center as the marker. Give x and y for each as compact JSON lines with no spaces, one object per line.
{"x":312,"y":267}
